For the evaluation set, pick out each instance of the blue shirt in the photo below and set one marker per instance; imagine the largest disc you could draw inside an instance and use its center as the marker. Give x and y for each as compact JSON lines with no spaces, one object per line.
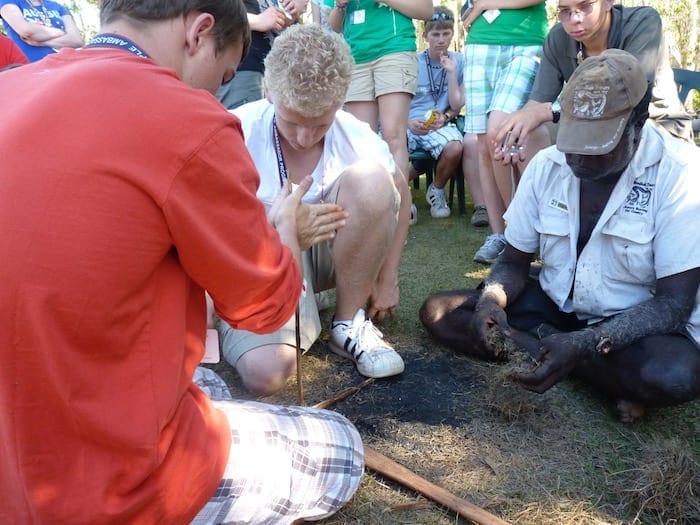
{"x":49,"y":13}
{"x":425,"y":99}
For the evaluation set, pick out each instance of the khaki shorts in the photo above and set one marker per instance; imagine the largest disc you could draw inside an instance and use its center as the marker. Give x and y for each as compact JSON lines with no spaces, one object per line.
{"x":319,"y":275}
{"x":393,"y":73}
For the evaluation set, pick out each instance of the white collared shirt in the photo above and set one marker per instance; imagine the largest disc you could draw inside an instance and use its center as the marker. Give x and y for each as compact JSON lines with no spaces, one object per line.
{"x":649,"y":229}
{"x":348,"y":141}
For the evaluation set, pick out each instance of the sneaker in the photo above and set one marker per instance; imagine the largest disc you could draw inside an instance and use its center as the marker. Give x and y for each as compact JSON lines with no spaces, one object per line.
{"x":361,"y":342}
{"x":480,"y":217}
{"x":414,"y":215}
{"x":438,"y":204}
{"x":493,"y":247}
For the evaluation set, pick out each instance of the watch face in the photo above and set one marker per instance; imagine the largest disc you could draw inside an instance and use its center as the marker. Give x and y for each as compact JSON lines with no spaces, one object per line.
{"x":604,"y":345}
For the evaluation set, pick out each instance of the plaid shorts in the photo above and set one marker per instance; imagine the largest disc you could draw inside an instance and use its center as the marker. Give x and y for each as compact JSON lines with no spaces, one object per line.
{"x":434,"y":141}
{"x":497,"y":78}
{"x":285,"y":462}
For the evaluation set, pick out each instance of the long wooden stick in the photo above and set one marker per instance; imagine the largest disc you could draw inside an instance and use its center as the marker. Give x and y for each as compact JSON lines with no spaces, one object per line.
{"x":392,"y":470}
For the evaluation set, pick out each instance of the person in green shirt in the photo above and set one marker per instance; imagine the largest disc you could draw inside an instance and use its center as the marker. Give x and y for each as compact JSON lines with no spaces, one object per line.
{"x":502,"y":50}
{"x":382,"y":40}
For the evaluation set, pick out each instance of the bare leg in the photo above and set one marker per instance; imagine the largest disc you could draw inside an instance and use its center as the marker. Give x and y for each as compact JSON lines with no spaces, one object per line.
{"x":470,"y":168}
{"x":369,"y":111}
{"x":506,"y":177}
{"x":393,"y":118}
{"x":447,"y":318}
{"x":367,"y":193}
{"x":660,"y":370}
{"x":447,"y":163}
{"x":366,"y":111}
{"x":492,"y":196}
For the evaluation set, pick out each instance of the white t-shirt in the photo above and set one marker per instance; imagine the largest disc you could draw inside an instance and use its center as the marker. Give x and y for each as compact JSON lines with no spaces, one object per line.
{"x":648,"y":230}
{"x":348,"y":141}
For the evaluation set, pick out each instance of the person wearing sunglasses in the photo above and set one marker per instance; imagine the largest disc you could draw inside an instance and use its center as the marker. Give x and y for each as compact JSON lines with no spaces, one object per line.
{"x":586,"y":29}
{"x":439,"y":97}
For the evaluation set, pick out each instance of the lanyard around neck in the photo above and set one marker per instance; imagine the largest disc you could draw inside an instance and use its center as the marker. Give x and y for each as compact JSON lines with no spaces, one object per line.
{"x":435,"y":91}
{"x":281,"y":165}
{"x":110,"y":40}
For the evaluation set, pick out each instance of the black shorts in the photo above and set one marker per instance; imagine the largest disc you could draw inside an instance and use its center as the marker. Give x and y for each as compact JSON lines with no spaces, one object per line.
{"x":533,"y":307}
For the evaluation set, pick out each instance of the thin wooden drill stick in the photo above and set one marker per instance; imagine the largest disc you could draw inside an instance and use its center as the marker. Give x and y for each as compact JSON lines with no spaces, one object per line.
{"x":297,"y":330}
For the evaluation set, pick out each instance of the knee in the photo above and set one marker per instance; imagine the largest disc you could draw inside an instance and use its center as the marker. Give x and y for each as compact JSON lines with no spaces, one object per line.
{"x":452,"y":151}
{"x":484,"y":147}
{"x":265,"y":370}
{"x":429,"y":313}
{"x":674,"y":382}
{"x":368,"y":184}
{"x":470,"y":142}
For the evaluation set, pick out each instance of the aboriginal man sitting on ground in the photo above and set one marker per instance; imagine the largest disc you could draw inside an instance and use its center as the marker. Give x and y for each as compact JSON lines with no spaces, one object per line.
{"x":610,"y":210}
{"x":300,"y":130}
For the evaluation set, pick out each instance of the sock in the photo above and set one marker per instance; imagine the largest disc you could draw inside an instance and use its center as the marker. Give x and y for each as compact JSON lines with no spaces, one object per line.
{"x":335,"y":323}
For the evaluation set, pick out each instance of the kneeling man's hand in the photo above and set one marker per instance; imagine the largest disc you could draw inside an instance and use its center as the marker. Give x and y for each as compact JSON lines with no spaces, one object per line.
{"x":318,"y":222}
{"x":559,"y":355}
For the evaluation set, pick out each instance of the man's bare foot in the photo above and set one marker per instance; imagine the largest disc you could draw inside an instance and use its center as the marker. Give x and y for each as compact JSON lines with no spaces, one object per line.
{"x":628,"y":411}
{"x":501,"y":347}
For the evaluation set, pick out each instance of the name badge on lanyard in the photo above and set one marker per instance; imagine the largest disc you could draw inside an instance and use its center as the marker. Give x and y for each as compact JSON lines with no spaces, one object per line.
{"x":357,"y":17}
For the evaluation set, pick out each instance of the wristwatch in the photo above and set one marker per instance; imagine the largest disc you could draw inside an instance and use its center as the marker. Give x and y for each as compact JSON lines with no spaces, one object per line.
{"x":555,"y":116}
{"x":604,"y":345}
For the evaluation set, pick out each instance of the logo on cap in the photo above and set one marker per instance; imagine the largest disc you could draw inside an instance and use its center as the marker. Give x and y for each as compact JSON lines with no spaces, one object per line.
{"x":589,"y":101}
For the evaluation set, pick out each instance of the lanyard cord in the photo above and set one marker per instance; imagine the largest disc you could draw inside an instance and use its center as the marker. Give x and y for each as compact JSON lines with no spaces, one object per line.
{"x":281,"y":165}
{"x":435,"y":92}
{"x":110,"y":40}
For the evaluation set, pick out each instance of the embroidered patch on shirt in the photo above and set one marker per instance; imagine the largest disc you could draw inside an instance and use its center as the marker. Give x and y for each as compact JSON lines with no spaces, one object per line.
{"x":639,"y":198}
{"x":559,"y":205}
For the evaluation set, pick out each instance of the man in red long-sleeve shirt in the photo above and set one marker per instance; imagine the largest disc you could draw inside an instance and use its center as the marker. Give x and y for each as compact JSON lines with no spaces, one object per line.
{"x":127,"y":194}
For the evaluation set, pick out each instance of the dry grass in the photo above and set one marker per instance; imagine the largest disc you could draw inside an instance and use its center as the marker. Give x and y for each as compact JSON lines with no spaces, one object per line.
{"x":663,"y":481}
{"x":562,"y":458}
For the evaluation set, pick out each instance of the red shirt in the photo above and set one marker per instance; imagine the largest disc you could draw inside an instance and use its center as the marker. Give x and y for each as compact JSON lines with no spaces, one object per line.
{"x":125,"y":194}
{"x":10,"y":54}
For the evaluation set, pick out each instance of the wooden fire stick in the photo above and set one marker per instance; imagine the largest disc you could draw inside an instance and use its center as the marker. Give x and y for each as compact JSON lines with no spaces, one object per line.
{"x":392,"y":470}
{"x":297,"y":333}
